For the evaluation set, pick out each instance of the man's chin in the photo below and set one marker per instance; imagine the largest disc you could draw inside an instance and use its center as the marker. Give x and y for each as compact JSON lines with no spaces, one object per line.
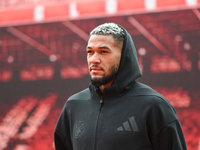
{"x":96,"y":78}
{"x":99,"y":81}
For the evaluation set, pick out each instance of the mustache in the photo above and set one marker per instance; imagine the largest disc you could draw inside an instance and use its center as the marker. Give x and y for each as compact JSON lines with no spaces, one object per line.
{"x":95,"y":66}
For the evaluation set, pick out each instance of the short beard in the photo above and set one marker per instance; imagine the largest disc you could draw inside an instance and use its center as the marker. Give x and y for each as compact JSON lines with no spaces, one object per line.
{"x":105,"y":79}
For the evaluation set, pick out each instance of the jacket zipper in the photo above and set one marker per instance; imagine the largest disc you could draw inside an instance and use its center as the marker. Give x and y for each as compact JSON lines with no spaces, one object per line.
{"x":101,"y":103}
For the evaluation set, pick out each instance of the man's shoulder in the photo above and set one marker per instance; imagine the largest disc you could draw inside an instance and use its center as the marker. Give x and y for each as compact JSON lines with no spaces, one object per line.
{"x":148,"y":95}
{"x":82,"y":95}
{"x":140,"y":89}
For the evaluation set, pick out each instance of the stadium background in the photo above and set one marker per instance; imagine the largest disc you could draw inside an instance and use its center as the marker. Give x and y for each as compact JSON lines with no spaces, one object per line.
{"x":43,"y":60}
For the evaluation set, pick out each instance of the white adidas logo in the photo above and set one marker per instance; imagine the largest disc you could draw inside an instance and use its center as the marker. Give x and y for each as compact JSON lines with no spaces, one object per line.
{"x":129,"y":125}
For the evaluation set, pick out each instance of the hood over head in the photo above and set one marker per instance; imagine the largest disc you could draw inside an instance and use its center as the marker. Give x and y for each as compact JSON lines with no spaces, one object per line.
{"x":129,"y":69}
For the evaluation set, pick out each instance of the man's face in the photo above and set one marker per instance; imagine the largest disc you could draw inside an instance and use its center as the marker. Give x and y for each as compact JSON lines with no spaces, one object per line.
{"x":103,"y":57}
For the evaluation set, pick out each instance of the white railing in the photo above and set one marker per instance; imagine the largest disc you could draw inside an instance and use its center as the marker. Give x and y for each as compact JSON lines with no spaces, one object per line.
{"x":18,"y":3}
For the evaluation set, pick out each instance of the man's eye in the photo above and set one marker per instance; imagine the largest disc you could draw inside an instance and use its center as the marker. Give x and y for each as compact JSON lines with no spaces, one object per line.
{"x":89,"y":52}
{"x":103,"y":51}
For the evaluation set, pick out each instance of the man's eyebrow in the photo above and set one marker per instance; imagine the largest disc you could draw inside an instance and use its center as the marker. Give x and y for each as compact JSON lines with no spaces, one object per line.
{"x":104,"y":47}
{"x":88,"y":47}
{"x":101,"y":47}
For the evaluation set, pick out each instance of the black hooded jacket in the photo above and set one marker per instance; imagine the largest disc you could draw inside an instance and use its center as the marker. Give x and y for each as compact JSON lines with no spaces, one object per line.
{"x":126,"y":116}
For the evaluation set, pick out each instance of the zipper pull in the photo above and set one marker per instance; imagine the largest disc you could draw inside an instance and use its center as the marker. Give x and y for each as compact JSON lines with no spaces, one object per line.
{"x":101,"y":101}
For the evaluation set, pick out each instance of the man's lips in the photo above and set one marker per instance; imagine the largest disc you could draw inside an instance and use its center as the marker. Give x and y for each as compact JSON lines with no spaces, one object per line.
{"x":95,"y":69}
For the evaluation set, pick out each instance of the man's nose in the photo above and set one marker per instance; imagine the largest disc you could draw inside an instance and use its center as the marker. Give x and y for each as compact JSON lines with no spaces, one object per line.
{"x":95,"y":58}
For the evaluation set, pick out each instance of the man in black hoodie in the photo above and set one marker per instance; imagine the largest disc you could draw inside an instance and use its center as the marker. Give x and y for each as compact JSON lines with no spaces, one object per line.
{"x":116,"y":112}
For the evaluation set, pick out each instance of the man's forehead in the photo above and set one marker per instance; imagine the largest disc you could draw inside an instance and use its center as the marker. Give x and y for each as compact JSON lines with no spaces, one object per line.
{"x":102,"y":41}
{"x":101,"y":38}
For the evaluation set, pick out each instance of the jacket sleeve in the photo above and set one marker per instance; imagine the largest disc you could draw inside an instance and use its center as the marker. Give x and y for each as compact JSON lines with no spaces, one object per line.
{"x":62,"y":138}
{"x":170,"y":138}
{"x":61,"y":142}
{"x":164,"y":128}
